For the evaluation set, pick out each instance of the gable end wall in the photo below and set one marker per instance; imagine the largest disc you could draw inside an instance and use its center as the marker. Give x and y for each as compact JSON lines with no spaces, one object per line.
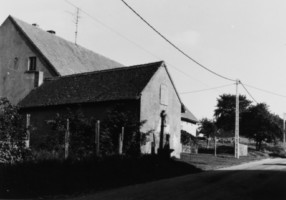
{"x":151,"y":108}
{"x":15,"y":82}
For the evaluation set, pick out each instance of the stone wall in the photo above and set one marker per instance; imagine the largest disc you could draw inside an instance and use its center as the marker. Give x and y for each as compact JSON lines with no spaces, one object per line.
{"x":243,"y":150}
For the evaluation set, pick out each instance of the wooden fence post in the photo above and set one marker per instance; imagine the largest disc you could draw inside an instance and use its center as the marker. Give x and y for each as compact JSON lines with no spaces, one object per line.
{"x":67,"y":137}
{"x":121,"y":138}
{"x":215,"y":146}
{"x":28,"y":117}
{"x":97,"y":138}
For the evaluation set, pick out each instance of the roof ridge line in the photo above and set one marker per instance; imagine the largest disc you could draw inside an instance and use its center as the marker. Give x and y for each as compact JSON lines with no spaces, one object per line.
{"x":113,"y":69}
{"x":55,"y":35}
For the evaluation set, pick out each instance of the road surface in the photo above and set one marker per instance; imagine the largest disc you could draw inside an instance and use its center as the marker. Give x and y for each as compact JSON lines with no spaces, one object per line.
{"x":257,"y":180}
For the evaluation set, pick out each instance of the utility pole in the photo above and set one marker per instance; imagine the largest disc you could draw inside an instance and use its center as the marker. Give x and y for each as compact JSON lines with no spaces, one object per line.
{"x":236,"y":137}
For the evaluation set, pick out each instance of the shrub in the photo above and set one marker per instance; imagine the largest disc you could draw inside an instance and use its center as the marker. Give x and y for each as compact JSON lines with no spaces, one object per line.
{"x":11,"y":153}
{"x":188,"y":139}
{"x":12,"y":133}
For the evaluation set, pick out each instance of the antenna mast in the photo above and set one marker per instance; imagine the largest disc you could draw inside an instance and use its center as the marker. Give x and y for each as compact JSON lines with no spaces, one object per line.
{"x":77,"y":17}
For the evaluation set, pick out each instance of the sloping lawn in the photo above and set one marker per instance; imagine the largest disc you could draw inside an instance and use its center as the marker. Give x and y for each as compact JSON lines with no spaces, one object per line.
{"x":206,"y":160}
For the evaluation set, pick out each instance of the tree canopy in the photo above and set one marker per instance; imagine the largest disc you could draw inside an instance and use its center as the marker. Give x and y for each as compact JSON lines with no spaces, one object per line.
{"x":225,"y":110}
{"x":262,"y":125}
{"x":207,"y":127}
{"x":255,"y":121}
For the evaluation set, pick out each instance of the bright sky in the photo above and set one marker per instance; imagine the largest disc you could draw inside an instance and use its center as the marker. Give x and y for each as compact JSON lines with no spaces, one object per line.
{"x":243,"y":39}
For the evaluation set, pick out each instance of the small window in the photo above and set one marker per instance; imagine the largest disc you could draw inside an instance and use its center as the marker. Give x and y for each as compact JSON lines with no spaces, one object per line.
{"x":16,"y":63}
{"x":32,"y":64}
{"x":164,"y":94}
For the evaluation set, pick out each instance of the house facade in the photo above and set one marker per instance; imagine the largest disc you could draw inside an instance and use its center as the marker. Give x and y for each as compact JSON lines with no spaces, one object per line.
{"x":45,"y":74}
{"x":30,"y":55}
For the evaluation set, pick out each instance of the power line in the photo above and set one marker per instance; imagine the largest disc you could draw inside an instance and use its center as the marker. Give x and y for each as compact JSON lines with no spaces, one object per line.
{"x":196,"y":91}
{"x":130,"y":41}
{"x":152,"y":54}
{"x":248,"y":92}
{"x":172,"y":44}
{"x":266,"y":91}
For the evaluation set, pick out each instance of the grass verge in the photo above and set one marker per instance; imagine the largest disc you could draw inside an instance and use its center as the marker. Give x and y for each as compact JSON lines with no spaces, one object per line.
{"x":206,"y":160}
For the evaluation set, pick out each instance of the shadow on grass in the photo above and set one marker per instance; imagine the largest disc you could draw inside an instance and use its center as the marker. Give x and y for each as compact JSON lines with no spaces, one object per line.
{"x":220,"y":150}
{"x":277,"y":155}
{"x":277,"y":164}
{"x":53,"y":177}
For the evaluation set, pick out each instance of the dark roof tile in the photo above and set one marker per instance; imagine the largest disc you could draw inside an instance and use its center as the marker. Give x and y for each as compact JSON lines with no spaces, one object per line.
{"x":188,"y":116}
{"x":106,"y":85}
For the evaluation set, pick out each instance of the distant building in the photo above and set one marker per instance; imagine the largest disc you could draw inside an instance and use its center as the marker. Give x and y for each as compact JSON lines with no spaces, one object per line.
{"x":189,"y":122}
{"x":45,"y":74}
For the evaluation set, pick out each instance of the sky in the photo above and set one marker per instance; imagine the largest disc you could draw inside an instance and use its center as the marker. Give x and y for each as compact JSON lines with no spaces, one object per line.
{"x":239,"y":39}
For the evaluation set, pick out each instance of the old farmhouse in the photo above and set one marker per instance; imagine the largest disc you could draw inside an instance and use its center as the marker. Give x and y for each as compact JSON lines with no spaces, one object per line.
{"x":44,"y":74}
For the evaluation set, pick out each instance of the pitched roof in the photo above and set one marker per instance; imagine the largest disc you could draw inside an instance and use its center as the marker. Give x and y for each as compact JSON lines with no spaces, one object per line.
{"x":106,"y":85}
{"x":188,"y":116}
{"x":65,"y":57}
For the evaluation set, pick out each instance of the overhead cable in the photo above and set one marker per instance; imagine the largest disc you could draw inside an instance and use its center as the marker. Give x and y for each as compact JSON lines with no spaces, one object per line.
{"x":248,"y":92}
{"x":172,"y":44}
{"x":132,"y":42}
{"x":207,"y":89}
{"x":266,"y":91}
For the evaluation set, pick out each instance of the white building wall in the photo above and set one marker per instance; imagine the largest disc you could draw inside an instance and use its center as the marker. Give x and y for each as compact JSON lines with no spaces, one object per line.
{"x":189,"y":127}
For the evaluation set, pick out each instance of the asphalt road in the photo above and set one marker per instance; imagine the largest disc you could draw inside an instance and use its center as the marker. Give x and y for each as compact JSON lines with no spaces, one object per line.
{"x":257,"y":180}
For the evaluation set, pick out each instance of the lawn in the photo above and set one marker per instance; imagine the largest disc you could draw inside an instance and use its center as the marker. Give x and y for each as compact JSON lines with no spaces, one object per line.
{"x":206,"y":160}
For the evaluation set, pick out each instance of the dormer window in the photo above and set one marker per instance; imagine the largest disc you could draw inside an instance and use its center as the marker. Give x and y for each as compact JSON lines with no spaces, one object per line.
{"x":32,"y":64}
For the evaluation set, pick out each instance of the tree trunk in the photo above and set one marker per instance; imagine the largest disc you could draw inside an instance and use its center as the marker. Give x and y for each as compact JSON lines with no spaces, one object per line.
{"x":260,"y":144}
{"x":208,"y":142}
{"x":256,"y":145}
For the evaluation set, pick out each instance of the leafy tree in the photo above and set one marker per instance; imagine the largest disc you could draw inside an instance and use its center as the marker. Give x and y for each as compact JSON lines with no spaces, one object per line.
{"x":261,"y":125}
{"x":225,"y":110}
{"x":12,"y":133}
{"x":208,"y":128}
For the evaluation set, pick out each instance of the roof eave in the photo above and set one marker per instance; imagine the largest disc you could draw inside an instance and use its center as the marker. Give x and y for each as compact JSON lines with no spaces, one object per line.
{"x":189,"y":120}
